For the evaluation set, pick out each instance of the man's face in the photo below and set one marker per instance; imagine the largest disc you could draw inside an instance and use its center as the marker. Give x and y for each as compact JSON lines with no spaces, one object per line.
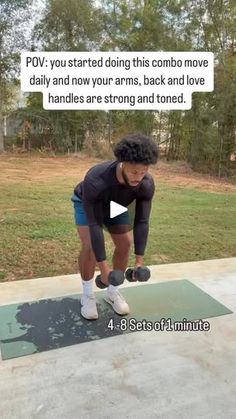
{"x":133,"y":173}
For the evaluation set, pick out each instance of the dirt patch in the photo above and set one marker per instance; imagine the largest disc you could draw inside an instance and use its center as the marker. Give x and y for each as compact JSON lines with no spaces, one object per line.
{"x":180,"y":174}
{"x":34,"y":169}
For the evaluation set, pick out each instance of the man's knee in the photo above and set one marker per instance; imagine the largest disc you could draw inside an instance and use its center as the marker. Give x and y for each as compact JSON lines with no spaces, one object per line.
{"x":86,"y":241}
{"x":124,"y":246}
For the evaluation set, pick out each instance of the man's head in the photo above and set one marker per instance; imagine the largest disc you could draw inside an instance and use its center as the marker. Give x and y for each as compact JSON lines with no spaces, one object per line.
{"x":135,"y":152}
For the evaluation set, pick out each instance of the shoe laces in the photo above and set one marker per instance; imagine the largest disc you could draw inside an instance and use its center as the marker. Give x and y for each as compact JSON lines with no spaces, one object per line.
{"x":116,"y":295}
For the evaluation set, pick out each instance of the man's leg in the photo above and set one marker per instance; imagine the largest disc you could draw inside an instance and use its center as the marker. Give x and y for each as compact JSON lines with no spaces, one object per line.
{"x":120,"y":261}
{"x":87,"y":264}
{"x":123,"y":243}
{"x":87,"y":260}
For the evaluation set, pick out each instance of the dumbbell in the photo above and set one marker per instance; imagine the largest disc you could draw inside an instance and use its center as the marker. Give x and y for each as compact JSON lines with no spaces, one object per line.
{"x":115,"y":278}
{"x":141,"y":274}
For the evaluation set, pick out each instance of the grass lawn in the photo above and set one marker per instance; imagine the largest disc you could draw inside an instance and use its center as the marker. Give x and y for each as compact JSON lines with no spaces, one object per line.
{"x":38,"y":236}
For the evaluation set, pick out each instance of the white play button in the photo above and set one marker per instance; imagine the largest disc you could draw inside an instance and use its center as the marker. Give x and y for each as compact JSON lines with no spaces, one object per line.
{"x":116,"y":209}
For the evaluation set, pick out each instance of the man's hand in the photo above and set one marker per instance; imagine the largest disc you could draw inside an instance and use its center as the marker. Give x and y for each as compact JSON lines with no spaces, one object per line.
{"x":138,"y":261}
{"x":138,"y":264}
{"x":105,"y":270}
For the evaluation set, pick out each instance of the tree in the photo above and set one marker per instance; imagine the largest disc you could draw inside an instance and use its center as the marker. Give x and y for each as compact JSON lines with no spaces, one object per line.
{"x":12,"y":14}
{"x":204,"y":135}
{"x":213,"y":25}
{"x":68,"y":25}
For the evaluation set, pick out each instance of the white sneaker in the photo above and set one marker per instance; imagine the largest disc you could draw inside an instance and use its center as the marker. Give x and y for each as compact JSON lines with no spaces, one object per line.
{"x":117,"y":301}
{"x":88,"y":307}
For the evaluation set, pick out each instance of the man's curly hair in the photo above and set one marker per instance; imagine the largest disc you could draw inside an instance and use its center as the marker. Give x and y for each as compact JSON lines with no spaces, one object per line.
{"x":136,"y":148}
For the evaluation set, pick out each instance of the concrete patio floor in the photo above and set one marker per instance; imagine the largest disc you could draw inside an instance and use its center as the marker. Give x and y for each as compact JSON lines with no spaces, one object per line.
{"x":142,"y":374}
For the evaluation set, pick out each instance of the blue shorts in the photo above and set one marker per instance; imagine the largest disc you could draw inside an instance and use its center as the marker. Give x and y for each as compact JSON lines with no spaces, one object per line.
{"x":81,"y":218}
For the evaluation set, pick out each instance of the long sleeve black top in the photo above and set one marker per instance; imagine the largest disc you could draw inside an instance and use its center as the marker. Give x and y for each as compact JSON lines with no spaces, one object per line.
{"x":99,"y":187}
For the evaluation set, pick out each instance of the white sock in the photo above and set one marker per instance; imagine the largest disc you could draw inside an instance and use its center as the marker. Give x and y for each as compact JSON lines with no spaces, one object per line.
{"x":88,"y":286}
{"x":112,"y":289}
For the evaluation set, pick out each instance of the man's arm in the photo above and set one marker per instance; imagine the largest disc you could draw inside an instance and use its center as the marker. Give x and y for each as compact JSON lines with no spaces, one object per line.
{"x":141,"y":228}
{"x":141,"y":222}
{"x":94,"y":212}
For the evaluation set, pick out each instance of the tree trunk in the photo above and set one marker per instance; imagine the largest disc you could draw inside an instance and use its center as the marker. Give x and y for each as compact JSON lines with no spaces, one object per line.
{"x":1,"y":102}
{"x":1,"y":134}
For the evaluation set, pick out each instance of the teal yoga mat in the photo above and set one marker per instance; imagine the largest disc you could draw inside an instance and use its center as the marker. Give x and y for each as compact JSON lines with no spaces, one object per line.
{"x":37,"y":326}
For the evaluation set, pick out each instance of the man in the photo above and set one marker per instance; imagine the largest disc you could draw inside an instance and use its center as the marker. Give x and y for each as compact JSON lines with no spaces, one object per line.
{"x":123,"y":181}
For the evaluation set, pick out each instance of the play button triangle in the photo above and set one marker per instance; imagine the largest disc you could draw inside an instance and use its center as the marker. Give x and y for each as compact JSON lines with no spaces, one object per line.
{"x":116,"y":209}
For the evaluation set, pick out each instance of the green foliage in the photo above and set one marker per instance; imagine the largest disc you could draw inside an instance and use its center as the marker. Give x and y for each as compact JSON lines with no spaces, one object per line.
{"x":204,"y":135}
{"x":68,"y":25}
{"x":208,"y":136}
{"x":13,"y":14}
{"x":61,"y":130}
